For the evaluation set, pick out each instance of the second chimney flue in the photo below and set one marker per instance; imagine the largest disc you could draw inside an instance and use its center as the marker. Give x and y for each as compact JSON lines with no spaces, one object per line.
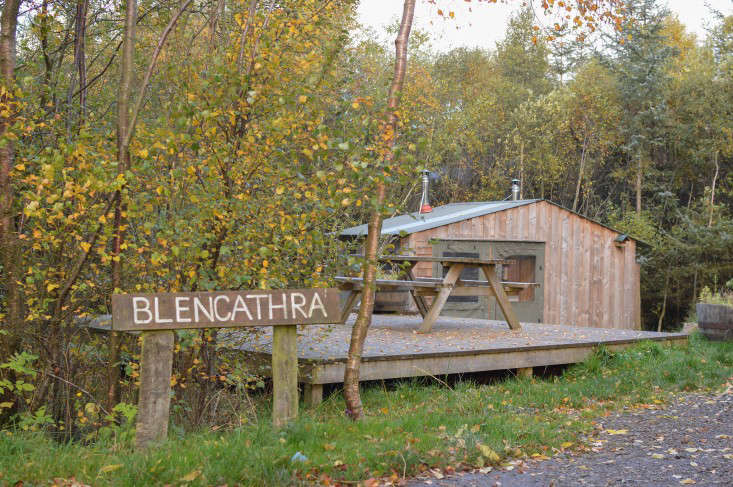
{"x":515,"y":189}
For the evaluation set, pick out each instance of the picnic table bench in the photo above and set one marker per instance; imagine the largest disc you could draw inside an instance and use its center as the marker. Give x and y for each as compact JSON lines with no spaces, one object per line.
{"x":440,"y":288}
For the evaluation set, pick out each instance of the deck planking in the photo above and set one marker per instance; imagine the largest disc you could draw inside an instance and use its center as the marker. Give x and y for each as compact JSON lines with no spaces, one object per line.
{"x":394,"y":349}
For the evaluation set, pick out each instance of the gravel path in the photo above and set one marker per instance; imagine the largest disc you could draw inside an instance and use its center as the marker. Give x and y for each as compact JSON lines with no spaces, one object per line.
{"x":689,"y":441}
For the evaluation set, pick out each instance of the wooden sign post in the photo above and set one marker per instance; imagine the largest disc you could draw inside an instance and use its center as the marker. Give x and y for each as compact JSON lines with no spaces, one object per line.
{"x":157,"y":315}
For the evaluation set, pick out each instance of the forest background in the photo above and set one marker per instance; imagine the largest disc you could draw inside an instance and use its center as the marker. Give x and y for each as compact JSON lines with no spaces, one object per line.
{"x":230,"y":141}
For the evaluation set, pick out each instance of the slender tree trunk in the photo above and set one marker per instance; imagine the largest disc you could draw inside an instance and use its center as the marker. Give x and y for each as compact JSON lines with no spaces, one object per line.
{"x":354,"y":408}
{"x":9,"y":242}
{"x":80,"y":31}
{"x":126,"y":122}
{"x":123,"y":164}
{"x":664,"y":302}
{"x":639,"y":170}
{"x":580,"y":173}
{"x":245,"y":30}
{"x":43,"y":31}
{"x":521,"y":171}
{"x":712,"y":188}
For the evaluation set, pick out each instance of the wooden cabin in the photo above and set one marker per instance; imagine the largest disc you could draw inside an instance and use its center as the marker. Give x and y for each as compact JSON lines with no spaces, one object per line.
{"x":587,"y":273}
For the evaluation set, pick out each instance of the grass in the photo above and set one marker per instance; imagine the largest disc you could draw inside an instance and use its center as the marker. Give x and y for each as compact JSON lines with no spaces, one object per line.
{"x":410,"y":426}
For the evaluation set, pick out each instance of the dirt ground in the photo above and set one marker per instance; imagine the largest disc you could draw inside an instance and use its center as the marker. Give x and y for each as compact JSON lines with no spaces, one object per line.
{"x":686,"y":442}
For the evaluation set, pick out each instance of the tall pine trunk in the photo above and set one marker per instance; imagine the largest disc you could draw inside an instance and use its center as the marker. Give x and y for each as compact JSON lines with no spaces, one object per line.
{"x":354,"y":408}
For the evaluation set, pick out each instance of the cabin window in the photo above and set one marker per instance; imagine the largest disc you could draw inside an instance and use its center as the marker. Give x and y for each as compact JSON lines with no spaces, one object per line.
{"x":520,"y":268}
{"x":468,"y":273}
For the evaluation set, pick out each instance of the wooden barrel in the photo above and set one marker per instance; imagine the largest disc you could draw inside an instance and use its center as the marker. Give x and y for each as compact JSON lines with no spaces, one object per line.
{"x":715,"y":321}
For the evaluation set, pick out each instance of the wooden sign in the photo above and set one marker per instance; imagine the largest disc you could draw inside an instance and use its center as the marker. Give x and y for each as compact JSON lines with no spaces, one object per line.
{"x":172,"y":311}
{"x":157,"y":315}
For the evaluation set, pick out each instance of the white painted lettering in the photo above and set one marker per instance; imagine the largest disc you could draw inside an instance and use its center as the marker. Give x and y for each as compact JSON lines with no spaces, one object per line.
{"x":283,"y":306}
{"x":259,"y":308}
{"x":136,"y":310}
{"x":197,"y":306}
{"x":297,"y":305}
{"x":314,"y":306}
{"x":180,"y":308}
{"x":158,"y":319}
{"x":240,"y":305}
{"x":216,"y":308}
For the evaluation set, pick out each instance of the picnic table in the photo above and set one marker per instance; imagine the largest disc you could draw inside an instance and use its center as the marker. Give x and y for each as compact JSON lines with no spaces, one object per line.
{"x":440,"y":289}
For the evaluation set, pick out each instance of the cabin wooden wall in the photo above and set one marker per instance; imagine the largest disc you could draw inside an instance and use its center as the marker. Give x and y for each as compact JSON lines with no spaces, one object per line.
{"x":589,"y":281}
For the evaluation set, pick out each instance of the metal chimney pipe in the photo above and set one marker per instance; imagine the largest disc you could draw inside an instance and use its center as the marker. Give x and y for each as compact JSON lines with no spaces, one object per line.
{"x":424,"y":200}
{"x":515,"y":189}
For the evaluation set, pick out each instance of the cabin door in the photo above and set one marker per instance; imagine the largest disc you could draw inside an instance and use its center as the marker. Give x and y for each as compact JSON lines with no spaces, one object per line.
{"x":525,"y":263}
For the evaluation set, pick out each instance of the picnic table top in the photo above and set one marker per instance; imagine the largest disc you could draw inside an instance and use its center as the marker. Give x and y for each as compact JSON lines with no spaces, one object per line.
{"x":451,"y":260}
{"x":432,"y":282}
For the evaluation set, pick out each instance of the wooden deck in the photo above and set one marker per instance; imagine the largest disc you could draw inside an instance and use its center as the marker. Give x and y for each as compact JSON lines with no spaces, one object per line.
{"x":393,"y":349}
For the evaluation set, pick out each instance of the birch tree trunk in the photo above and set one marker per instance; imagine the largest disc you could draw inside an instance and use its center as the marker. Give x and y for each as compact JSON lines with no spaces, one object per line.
{"x":712,"y":188}
{"x":9,"y":243}
{"x":354,"y":408}
{"x":580,"y":173}
{"x":639,"y":169}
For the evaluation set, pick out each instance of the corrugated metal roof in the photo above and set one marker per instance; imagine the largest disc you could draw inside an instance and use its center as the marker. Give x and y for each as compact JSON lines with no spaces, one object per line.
{"x":441,"y":215}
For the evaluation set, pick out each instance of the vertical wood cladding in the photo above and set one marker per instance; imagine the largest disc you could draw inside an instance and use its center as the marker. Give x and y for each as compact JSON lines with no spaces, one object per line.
{"x":589,"y":279}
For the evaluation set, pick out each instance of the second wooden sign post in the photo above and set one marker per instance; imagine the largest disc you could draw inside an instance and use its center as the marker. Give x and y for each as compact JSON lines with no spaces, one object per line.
{"x":157,"y":315}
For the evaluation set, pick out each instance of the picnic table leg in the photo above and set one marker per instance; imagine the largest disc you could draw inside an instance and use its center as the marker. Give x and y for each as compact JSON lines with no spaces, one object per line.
{"x":448,"y":282}
{"x":501,"y":297}
{"x":350,"y":302}
{"x":312,"y":394}
{"x":422,"y":307}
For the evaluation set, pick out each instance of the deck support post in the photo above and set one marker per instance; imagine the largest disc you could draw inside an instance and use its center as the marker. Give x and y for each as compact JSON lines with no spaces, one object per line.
{"x":524,"y":372}
{"x":284,"y":374}
{"x":156,"y":363}
{"x":312,"y":394}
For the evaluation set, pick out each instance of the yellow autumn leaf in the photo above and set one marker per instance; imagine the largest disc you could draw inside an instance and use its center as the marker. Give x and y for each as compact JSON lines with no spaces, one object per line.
{"x":280,"y":190}
{"x":487,"y":452}
{"x":190,"y":476}
{"x":302,"y":98}
{"x":142,"y":153}
{"x":617,"y":432}
{"x":687,"y":481}
{"x":566,"y":444}
{"x":51,"y":286}
{"x":85,"y":246}
{"x":110,"y":468}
